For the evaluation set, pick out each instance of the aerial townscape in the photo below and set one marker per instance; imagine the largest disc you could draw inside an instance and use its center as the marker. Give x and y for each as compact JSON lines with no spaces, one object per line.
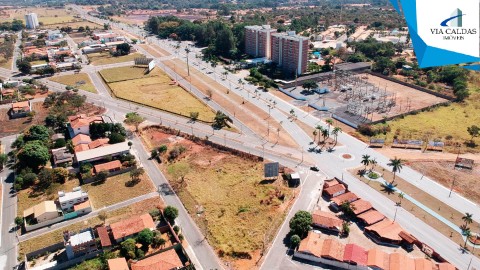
{"x":225,"y":134}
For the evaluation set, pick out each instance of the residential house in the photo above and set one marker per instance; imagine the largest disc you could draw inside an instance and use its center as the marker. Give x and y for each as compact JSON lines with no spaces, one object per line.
{"x":167,"y":260}
{"x":334,"y":191}
{"x":377,"y":259}
{"x":62,"y":157}
{"x":332,"y":249}
{"x":408,"y":240}
{"x":111,"y":150}
{"x":385,"y":231}
{"x":80,"y":124}
{"x":371,"y":217}
{"x":80,"y":142}
{"x":355,"y":255}
{"x":104,"y":237}
{"x":109,"y":167}
{"x":69,"y":199}
{"x":399,"y":261}
{"x":118,"y":264}
{"x":79,"y":244}
{"x":446,"y":266}
{"x":98,"y":143}
{"x":326,"y":220}
{"x":54,"y":34}
{"x":361,"y":206}
{"x":336,"y":202}
{"x":94,"y":48}
{"x":20,"y":109}
{"x":42,"y":212}
{"x":423,"y":264}
{"x":130,"y":227}
{"x":330,"y":182}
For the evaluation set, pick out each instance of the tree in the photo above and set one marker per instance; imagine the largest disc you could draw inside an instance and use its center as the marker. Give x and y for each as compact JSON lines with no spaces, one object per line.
{"x":123,"y":49}
{"x":314,"y":135}
{"x":345,"y":228}
{"x":335,"y":132}
{"x":135,"y":119}
{"x":81,"y":29}
{"x":3,"y":160}
{"x":77,"y":101}
{"x":467,"y":233}
{"x":365,"y":160}
{"x":115,"y":138}
{"x":221,"y":120}
{"x":397,"y":165}
{"x":154,"y":154}
{"x":401,"y":195}
{"x":295,"y":240}
{"x":474,"y":131}
{"x":127,"y":248}
{"x":33,"y":155}
{"x":468,"y":219}
{"x":136,"y":173}
{"x":102,"y":215}
{"x":347,"y":209}
{"x":101,"y":176}
{"x":162,"y":149}
{"x":24,"y":66}
{"x":19,"y":221}
{"x":309,"y":85}
{"x":158,"y":241}
{"x":194,"y":116}
{"x":37,"y":133}
{"x":145,"y":237}
{"x":300,"y":223}
{"x":170,"y":213}
{"x":179,"y":170}
{"x":329,"y":122}
{"x":209,"y":94}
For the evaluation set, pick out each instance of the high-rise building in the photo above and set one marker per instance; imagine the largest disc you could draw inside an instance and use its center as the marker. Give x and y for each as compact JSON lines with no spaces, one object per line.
{"x":258,"y":40}
{"x":290,"y":52}
{"x":31,"y":21}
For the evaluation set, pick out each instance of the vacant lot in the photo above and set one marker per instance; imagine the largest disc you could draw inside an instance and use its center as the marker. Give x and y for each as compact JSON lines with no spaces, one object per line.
{"x":101,"y":194}
{"x":125,"y":73}
{"x":225,"y":195}
{"x":157,"y":90}
{"x":426,"y":199}
{"x":28,"y":197}
{"x":76,"y":24}
{"x":155,"y":53}
{"x":57,"y":236}
{"x":15,"y":126}
{"x":99,"y":59}
{"x":441,"y":123}
{"x":80,"y":80}
{"x":45,"y":15}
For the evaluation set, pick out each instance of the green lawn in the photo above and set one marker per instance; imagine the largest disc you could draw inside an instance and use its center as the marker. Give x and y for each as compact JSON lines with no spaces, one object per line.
{"x":155,"y":90}
{"x":99,"y":59}
{"x":80,"y":80}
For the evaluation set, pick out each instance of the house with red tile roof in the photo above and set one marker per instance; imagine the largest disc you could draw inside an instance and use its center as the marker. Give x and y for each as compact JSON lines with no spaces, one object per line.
{"x":385,"y":231}
{"x":377,"y":259}
{"x":98,"y":143}
{"x":371,"y":217}
{"x":111,"y":166}
{"x":333,"y":250}
{"x":167,"y":260}
{"x":80,"y":124}
{"x":361,"y":206}
{"x":326,"y":220}
{"x":81,"y":139}
{"x":104,"y":237}
{"x":118,"y":264}
{"x":348,"y":197}
{"x":20,"y":109}
{"x":400,"y":261}
{"x":330,"y":182}
{"x":334,"y":191}
{"x":355,"y":254}
{"x":130,"y":227}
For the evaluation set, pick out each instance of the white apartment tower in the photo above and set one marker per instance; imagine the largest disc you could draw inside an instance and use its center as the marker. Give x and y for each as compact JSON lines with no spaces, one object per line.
{"x":31,"y":21}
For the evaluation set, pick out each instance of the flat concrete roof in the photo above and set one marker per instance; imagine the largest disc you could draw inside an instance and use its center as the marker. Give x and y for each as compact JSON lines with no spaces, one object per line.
{"x":102,"y":151}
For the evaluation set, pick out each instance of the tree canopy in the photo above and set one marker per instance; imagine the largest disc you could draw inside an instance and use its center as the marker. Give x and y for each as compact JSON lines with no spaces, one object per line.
{"x":33,"y":154}
{"x":300,"y":223}
{"x":170,"y":213}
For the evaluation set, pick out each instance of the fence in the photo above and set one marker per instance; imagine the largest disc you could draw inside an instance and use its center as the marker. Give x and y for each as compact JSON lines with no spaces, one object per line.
{"x":92,"y":179}
{"x":29,"y":228}
{"x":44,"y":250}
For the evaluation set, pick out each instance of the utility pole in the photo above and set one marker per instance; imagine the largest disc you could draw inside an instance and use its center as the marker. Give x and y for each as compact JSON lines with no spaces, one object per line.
{"x":395,"y":217}
{"x":451,"y":189}
{"x":187,"y":50}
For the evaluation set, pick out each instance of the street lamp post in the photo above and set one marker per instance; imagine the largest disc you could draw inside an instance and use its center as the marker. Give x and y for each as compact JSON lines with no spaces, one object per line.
{"x":451,"y":189}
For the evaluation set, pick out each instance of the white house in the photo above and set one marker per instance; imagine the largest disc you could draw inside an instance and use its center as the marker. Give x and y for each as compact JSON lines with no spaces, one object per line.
{"x":69,"y":199}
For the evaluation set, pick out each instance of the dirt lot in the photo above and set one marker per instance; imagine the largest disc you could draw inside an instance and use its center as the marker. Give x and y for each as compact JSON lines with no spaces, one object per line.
{"x":80,"y":80}
{"x":46,"y":15}
{"x":154,"y":50}
{"x":99,"y":59}
{"x":247,"y":113}
{"x":225,"y":195}
{"x":426,"y":199}
{"x":15,"y":126}
{"x":56,"y":236}
{"x":156,"y":90}
{"x":101,"y":194}
{"x":466,"y":182}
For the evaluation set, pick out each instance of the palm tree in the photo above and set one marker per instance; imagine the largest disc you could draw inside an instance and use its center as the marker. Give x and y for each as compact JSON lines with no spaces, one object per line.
{"x":467,"y":218}
{"x":325,"y":134}
{"x":397,"y":165}
{"x":314,"y":134}
{"x":335,"y":132}
{"x":373,"y":162}
{"x":400,"y":196}
{"x":320,"y":130}
{"x":329,"y":123}
{"x":467,"y":233}
{"x":366,"y":160}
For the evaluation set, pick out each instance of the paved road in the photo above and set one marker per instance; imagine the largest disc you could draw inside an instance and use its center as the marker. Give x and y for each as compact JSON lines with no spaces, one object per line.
{"x":8,"y":249}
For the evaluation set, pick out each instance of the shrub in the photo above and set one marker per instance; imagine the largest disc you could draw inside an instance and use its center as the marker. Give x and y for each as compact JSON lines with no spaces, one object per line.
{"x":170,"y":213}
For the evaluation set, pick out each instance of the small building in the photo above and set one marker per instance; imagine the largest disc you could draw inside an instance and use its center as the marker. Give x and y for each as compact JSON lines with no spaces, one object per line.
{"x":336,"y":202}
{"x":326,"y":220}
{"x":98,"y":143}
{"x":377,"y":259}
{"x":334,"y":191}
{"x":355,"y":255}
{"x":79,"y":244}
{"x":44,"y":211}
{"x":118,"y":264}
{"x":57,"y":136}
{"x":100,"y":153}
{"x":408,"y":240}
{"x":167,"y":260}
{"x":81,"y":139}
{"x":400,"y":261}
{"x":446,"y":266}
{"x":331,"y":182}
{"x":333,"y":249}
{"x":54,"y":34}
{"x":104,"y":236}
{"x":361,"y":206}
{"x":94,"y":48}
{"x":371,"y":217}
{"x":20,"y":109}
{"x":62,"y":157}
{"x":423,"y":264}
{"x":385,"y":231}
{"x":130,"y":227}
{"x":109,"y":167}
{"x":70,"y":199}
{"x":80,"y":124}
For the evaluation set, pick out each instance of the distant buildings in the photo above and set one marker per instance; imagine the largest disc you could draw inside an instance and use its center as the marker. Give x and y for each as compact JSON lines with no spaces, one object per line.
{"x":31,"y":20}
{"x":288,"y":50}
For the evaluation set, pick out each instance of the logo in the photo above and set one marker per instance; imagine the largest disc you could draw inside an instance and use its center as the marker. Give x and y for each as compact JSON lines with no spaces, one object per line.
{"x":455,"y":20}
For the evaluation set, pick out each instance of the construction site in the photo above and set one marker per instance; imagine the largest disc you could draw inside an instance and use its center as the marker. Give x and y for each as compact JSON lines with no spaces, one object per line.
{"x":356,"y":99}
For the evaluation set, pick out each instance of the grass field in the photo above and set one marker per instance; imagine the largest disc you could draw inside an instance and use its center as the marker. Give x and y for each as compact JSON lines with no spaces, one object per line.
{"x":155,"y":90}
{"x":27,"y":198}
{"x":56,"y":236}
{"x":101,"y":194}
{"x":225,"y":195}
{"x":441,"y":122}
{"x":38,"y":62}
{"x":99,"y":59}
{"x":47,"y":16}
{"x":80,"y":80}
{"x":6,"y":63}
{"x":125,"y":73}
